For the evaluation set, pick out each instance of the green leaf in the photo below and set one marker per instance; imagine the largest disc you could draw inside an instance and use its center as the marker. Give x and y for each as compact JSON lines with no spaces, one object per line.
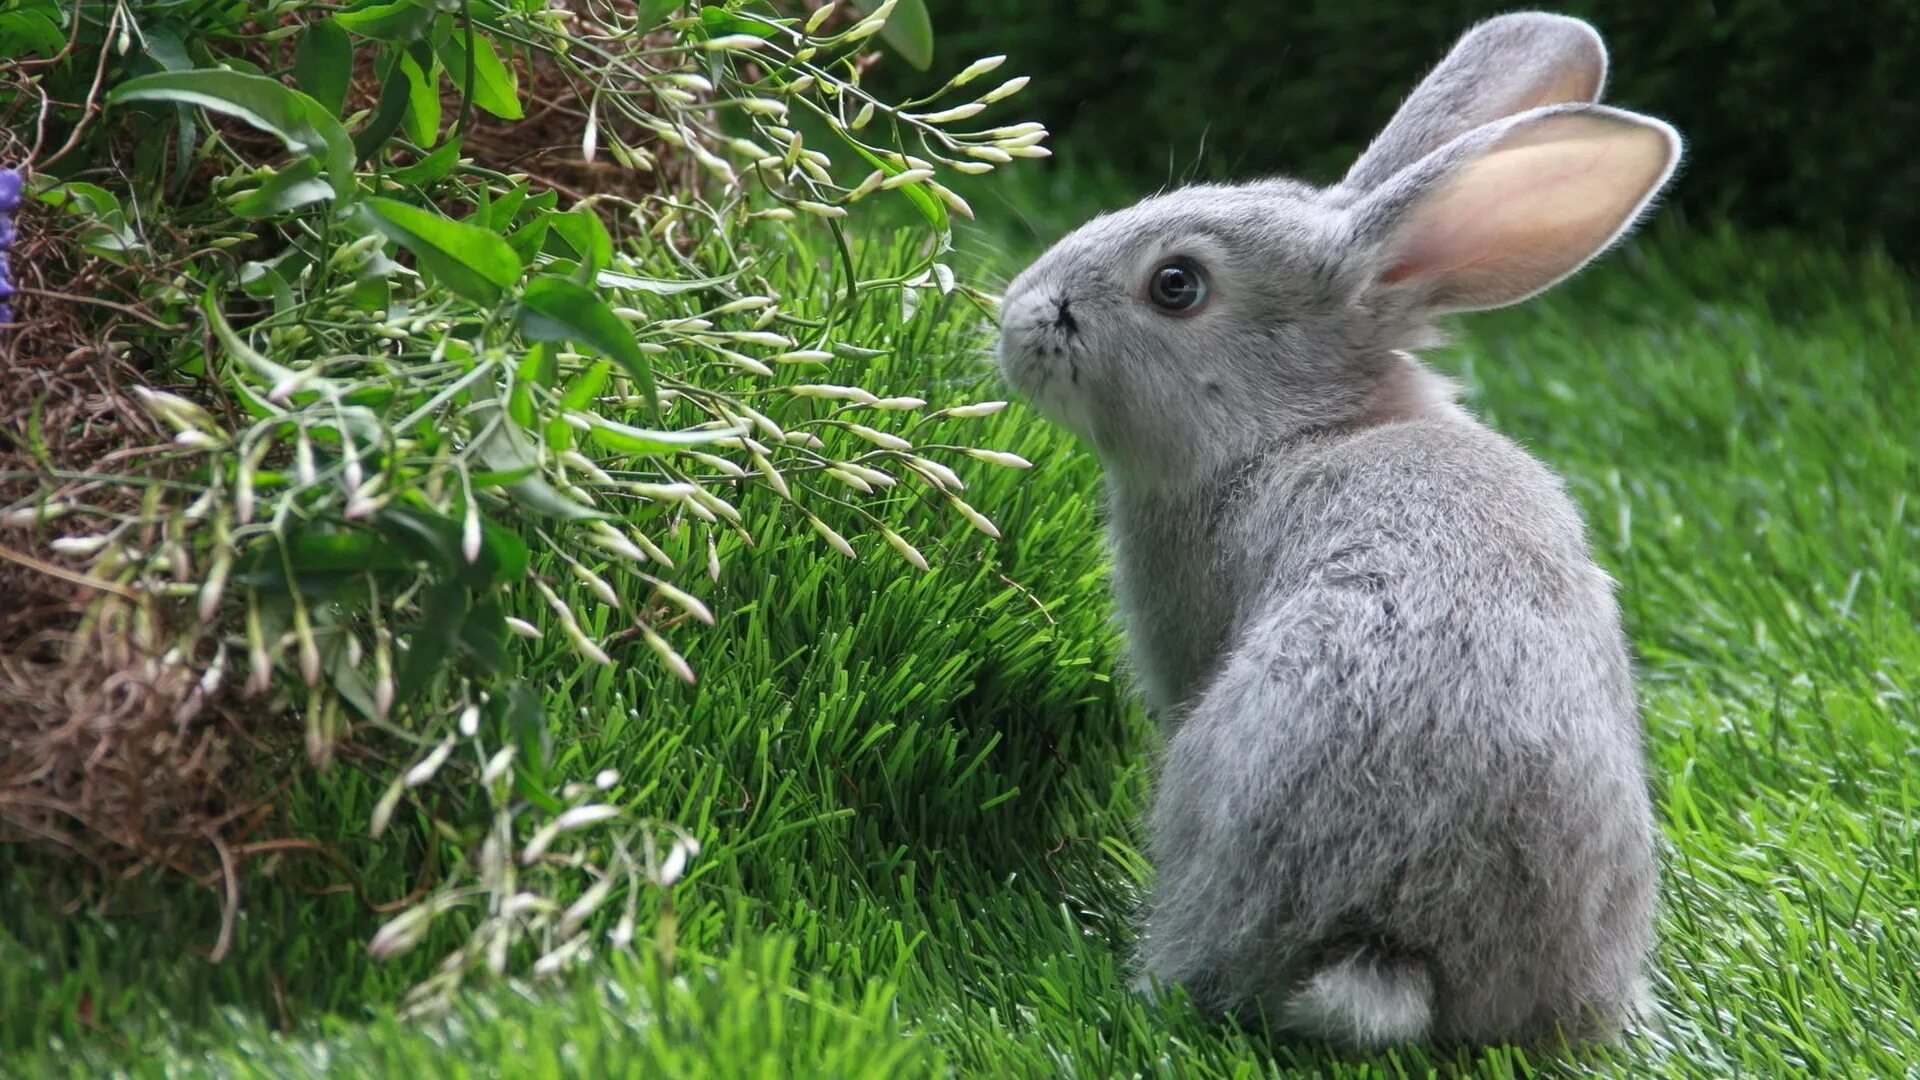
{"x":347,"y":680}
{"x":323,"y":64}
{"x":262,"y":281}
{"x":321,"y":559}
{"x":437,"y":538}
{"x":655,"y":12}
{"x":267,"y":371}
{"x":250,"y":400}
{"x":716,"y":20}
{"x":104,"y":228}
{"x":582,"y":391}
{"x":298,"y":120}
{"x":321,"y":585}
{"x":422,"y":117}
{"x":505,"y":447}
{"x":373,"y":398}
{"x":396,"y":90}
{"x":471,"y":261}
{"x":527,"y":240}
{"x":535,"y":494}
{"x":484,"y":637}
{"x":495,"y":86}
{"x":555,"y":309}
{"x":493,"y":478}
{"x":608,"y":279}
{"x":323,"y":549}
{"x":371,"y":294}
{"x":432,"y":167}
{"x":23,"y":33}
{"x":506,"y":549}
{"x":500,"y":213}
{"x":297,"y":185}
{"x":167,"y":46}
{"x":908,"y":30}
{"x":443,"y":609}
{"x":586,"y":234}
{"x":518,"y":710}
{"x":80,"y":197}
{"x":520,"y":399}
{"x":396,"y":20}
{"x":633,"y":440}
{"x":930,"y":207}
{"x":540,"y":367}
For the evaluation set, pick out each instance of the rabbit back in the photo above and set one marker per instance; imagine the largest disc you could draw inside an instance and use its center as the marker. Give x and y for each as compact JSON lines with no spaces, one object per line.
{"x":1418,"y":745}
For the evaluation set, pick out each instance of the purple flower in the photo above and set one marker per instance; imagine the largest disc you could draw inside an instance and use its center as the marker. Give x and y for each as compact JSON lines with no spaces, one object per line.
{"x":9,"y":202}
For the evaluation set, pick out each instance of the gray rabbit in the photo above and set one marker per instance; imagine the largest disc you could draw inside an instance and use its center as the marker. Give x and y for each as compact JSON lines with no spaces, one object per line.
{"x":1403,"y":795}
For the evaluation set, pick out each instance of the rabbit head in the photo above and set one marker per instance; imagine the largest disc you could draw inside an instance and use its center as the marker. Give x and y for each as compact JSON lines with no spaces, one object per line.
{"x":1189,"y":329}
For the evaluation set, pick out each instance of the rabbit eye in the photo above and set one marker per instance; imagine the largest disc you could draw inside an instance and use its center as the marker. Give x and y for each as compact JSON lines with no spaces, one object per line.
{"x":1178,"y":288}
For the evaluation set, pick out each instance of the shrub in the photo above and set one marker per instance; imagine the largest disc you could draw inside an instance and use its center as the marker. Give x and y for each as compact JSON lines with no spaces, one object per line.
{"x":1797,"y":114}
{"x":417,"y":412}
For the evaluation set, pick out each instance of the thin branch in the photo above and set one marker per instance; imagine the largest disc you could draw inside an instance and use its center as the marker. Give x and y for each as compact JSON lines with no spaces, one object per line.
{"x":124,"y":309}
{"x":64,"y":574}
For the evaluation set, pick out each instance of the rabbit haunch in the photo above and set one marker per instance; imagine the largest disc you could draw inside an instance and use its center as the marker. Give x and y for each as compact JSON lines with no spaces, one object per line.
{"x":1403,"y":793}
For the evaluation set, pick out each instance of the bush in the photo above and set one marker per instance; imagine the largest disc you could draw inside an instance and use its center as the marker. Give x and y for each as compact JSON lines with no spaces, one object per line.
{"x":384,"y":410}
{"x":1797,"y":115}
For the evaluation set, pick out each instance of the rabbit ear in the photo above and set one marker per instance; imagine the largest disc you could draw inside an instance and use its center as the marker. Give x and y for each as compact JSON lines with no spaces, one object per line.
{"x":1507,"y":210}
{"x":1501,"y":67}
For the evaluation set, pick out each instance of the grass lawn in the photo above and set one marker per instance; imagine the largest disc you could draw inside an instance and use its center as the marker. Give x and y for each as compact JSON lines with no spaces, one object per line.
{"x":918,"y":793}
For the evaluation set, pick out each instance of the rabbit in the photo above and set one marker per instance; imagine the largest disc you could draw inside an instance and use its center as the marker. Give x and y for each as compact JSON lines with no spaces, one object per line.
{"x":1402,"y":795}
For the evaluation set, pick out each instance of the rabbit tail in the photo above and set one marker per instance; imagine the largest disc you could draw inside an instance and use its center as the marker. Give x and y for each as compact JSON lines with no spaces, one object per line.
{"x":1364,"y":1000}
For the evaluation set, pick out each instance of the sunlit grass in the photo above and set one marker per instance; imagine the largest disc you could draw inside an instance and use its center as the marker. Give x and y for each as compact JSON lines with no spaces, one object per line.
{"x":918,"y":793}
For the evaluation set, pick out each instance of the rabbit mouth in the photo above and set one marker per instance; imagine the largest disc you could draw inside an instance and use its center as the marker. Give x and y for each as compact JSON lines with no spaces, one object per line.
{"x":1047,"y":372}
{"x":1042,"y":346}
{"x":1032,"y":358}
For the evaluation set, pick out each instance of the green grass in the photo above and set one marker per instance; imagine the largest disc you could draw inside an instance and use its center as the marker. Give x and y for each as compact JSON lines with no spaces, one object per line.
{"x":918,"y":793}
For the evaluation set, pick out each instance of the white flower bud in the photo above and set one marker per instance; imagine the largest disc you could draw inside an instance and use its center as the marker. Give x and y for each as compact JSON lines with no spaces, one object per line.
{"x":429,"y":765}
{"x":947,"y":116}
{"x":826,"y":390}
{"x":838,"y":542}
{"x":1001,"y":458}
{"x":673,"y":660}
{"x":78,"y":545}
{"x":907,"y":551}
{"x":1004,"y":90}
{"x":976,"y":69}
{"x":882,"y":439}
{"x":498,"y":764}
{"x":734,"y":43}
{"x":974,"y":517}
{"x":984,"y":408}
{"x":911,"y":176}
{"x":577,"y":818}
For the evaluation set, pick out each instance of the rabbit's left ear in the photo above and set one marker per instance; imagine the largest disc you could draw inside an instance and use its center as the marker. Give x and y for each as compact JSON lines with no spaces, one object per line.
{"x":1507,"y":210}
{"x":1504,"y":66}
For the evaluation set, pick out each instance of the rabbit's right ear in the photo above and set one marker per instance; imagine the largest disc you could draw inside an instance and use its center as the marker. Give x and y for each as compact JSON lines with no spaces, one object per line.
{"x":1501,"y":67}
{"x":1507,"y":210}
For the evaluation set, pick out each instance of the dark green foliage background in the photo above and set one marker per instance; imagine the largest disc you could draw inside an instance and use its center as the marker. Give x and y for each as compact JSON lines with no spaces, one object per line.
{"x":1797,"y":114}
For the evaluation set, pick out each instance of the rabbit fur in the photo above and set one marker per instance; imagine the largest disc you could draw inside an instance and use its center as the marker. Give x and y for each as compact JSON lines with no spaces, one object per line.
{"x":1402,"y":794}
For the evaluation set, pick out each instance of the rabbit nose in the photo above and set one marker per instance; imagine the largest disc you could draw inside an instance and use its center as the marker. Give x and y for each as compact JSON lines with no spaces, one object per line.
{"x":1063,"y":317}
